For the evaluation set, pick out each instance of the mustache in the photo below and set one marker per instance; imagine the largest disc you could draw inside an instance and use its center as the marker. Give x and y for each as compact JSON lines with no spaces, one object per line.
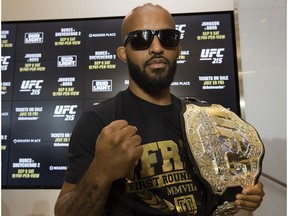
{"x":157,"y":58}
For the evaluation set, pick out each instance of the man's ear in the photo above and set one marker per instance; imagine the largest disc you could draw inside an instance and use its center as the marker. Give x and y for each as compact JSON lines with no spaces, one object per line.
{"x":121,"y":53}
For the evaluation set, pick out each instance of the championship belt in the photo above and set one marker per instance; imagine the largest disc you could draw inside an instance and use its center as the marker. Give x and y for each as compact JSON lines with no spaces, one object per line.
{"x":225,"y":150}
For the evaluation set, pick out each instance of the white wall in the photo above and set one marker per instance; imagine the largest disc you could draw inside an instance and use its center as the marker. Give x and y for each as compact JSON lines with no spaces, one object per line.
{"x":262,"y":26}
{"x":53,"y":9}
{"x":263,"y":36}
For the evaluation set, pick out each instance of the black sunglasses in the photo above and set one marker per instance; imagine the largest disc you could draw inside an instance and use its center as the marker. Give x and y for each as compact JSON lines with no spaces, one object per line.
{"x":142,"y":39}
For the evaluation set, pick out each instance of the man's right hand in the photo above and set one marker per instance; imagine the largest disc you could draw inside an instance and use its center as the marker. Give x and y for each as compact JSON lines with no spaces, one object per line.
{"x":118,"y":150}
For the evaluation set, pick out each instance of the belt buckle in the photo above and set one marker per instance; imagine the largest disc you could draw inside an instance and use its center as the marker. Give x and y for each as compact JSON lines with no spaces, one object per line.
{"x":227,"y":150}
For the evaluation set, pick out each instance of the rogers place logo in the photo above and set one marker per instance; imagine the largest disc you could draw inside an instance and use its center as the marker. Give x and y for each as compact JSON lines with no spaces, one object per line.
{"x":58,"y":168}
{"x":33,"y":37}
{"x":101,"y":85}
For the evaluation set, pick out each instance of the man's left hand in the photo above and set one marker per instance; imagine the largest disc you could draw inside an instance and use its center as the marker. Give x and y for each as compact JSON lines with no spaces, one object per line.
{"x":250,"y":198}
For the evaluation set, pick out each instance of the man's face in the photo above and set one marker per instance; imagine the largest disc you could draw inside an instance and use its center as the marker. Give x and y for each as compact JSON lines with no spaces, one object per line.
{"x":152,"y":68}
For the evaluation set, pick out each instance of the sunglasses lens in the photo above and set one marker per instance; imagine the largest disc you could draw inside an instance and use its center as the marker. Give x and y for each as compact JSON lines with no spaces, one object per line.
{"x":169,"y":38}
{"x":142,"y":39}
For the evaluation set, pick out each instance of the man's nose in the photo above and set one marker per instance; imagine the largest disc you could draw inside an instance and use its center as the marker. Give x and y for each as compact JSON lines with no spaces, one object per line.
{"x":156,"y":46}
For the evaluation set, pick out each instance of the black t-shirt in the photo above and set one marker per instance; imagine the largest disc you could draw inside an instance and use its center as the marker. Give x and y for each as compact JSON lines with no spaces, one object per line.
{"x":164,"y":182}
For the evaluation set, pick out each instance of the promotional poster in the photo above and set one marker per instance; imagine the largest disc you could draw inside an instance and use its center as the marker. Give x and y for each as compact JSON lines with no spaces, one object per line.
{"x":54,"y":70}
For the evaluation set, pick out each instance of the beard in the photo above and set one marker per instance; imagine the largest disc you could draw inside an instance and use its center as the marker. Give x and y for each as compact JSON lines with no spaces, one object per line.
{"x":156,"y":83}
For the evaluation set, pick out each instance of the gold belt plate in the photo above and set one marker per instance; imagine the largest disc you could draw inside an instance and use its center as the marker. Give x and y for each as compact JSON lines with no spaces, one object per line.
{"x":227,"y":150}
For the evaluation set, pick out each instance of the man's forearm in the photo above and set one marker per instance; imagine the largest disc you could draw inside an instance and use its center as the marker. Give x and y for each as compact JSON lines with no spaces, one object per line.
{"x":88,"y":198}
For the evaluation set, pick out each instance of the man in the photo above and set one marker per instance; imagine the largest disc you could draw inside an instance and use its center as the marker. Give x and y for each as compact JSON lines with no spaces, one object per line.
{"x":126,"y":154}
